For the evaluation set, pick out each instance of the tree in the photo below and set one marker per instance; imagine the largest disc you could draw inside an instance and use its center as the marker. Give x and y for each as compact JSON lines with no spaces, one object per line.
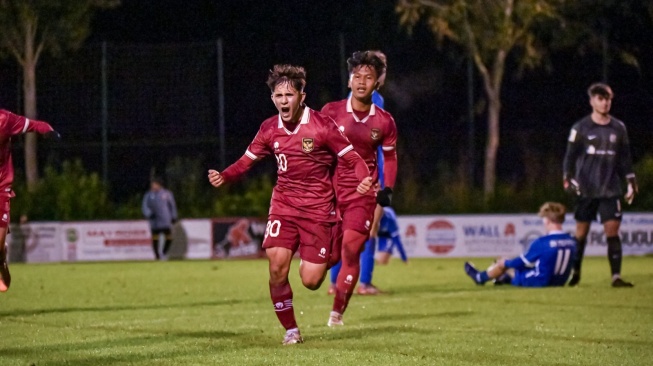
{"x":489,"y":30}
{"x":28,"y":28}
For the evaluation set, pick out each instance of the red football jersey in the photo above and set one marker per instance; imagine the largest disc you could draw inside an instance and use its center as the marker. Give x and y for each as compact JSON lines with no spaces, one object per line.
{"x":11,"y":125}
{"x":366,"y":134}
{"x":305,"y":161}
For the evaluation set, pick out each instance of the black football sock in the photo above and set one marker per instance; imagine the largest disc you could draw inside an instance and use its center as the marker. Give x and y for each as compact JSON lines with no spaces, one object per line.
{"x":155,"y":247}
{"x":166,"y":246}
{"x":580,"y":252}
{"x":614,"y":254}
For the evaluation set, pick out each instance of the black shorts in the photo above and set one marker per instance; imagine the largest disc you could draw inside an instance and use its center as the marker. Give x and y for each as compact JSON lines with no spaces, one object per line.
{"x":606,"y":208}
{"x":157,"y":232}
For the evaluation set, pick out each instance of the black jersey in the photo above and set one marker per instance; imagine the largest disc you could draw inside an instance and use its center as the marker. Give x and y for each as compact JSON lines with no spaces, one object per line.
{"x":598,"y":157}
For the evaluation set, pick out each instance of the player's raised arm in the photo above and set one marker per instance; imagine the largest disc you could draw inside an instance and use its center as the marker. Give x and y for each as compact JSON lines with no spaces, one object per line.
{"x":233,"y":173}
{"x":215,"y":178}
{"x":16,"y":125}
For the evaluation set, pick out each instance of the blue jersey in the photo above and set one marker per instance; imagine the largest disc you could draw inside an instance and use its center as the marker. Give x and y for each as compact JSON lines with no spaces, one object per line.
{"x":388,"y":233}
{"x":546,"y":263}
{"x":388,"y":226}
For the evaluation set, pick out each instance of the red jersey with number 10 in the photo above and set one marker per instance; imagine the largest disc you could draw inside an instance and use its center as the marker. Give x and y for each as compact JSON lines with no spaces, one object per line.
{"x":306,"y":159}
{"x":366,"y":134}
{"x":12,"y":125}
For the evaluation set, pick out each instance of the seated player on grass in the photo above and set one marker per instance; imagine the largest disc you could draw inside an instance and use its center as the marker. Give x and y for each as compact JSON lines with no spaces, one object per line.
{"x":546,"y":263}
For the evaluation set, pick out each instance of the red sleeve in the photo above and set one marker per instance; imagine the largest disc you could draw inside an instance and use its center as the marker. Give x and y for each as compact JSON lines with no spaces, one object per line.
{"x":15,"y":124}
{"x":236,"y":170}
{"x":256,"y":150}
{"x":352,"y":159}
{"x":389,"y":167}
{"x":389,"y":146}
{"x":326,"y":110}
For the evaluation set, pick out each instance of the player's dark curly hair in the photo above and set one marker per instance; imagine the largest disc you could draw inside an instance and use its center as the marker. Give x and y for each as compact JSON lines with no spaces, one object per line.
{"x":601,"y":89}
{"x":294,"y":75}
{"x":374,"y":59}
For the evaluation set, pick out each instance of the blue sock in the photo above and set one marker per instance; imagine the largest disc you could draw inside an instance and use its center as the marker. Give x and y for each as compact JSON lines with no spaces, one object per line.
{"x":482,"y":277}
{"x":334,"y":272}
{"x":367,"y":262}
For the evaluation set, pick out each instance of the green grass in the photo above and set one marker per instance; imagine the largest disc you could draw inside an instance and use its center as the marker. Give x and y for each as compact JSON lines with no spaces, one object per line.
{"x":220,"y":313}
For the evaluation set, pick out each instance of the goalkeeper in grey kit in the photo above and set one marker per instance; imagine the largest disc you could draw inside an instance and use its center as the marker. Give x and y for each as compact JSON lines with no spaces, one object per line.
{"x":596,"y":164}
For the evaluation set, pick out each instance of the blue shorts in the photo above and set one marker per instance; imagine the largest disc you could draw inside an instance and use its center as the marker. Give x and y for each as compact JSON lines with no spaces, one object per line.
{"x":384,"y":245}
{"x":527,"y":279}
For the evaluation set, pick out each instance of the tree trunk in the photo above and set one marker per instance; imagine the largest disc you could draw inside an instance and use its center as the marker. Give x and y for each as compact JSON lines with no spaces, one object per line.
{"x":492,"y":146}
{"x":29,"y":91}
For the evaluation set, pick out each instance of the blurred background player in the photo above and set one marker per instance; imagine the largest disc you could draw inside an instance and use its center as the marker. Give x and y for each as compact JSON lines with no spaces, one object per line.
{"x":388,"y":239}
{"x":12,"y":125}
{"x":367,"y":127}
{"x":302,"y":212}
{"x":384,"y":241}
{"x":596,"y":163}
{"x":160,"y":209}
{"x":547,"y":261}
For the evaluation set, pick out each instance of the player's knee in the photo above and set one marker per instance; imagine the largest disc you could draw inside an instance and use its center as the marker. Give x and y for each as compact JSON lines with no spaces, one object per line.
{"x":278,"y":274}
{"x":312,"y":282}
{"x":351,"y":252}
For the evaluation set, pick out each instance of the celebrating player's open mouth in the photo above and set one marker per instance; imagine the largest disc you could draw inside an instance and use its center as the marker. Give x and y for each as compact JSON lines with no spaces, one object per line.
{"x":288,"y":102}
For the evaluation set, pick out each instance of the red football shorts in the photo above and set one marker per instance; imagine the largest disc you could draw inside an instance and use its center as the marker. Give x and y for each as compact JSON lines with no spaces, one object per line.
{"x":312,"y":239}
{"x":4,"y":211}
{"x":358,"y":214}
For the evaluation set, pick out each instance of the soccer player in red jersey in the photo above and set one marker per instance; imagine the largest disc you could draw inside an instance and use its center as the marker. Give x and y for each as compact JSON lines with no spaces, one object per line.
{"x":12,"y":125}
{"x":302,"y":216}
{"x":367,"y":127}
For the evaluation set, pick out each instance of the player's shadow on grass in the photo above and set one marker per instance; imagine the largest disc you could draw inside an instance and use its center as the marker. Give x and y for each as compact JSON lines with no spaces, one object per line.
{"x":412,"y":316}
{"x":361,"y":333}
{"x":10,"y":313}
{"x":429,"y":289}
{"x":119,"y":350}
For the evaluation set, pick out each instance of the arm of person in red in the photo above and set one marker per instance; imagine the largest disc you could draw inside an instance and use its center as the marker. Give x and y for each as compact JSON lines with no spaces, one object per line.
{"x":352,"y":159}
{"x":16,"y":125}
{"x":232,"y":173}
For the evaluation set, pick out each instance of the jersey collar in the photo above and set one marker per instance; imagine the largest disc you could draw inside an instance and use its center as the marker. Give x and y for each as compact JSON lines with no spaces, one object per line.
{"x":554,"y":232}
{"x":351,"y":110}
{"x":303,"y":121}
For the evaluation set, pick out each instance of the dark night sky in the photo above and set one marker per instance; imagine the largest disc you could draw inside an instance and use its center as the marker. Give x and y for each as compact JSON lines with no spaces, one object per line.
{"x":426,"y":87}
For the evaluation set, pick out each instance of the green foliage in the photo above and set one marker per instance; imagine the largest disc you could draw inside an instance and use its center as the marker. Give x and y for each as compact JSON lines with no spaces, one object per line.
{"x":68,"y":194}
{"x":219,"y":313}
{"x":252,"y":201}
{"x":195,"y":197}
{"x":644,"y":173}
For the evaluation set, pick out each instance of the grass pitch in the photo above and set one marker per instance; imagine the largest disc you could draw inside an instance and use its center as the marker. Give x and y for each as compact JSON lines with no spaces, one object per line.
{"x":220,"y":313}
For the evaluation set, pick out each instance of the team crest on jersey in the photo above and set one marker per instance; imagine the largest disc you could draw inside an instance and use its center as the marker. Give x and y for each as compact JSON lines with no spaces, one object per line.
{"x":375,"y":134}
{"x":307,"y":144}
{"x":613,"y":138}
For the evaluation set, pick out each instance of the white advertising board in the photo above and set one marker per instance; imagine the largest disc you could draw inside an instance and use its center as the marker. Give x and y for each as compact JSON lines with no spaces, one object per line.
{"x":432,"y":236}
{"x":41,"y":241}
{"x":507,"y":235}
{"x":197,"y":234}
{"x":106,"y":241}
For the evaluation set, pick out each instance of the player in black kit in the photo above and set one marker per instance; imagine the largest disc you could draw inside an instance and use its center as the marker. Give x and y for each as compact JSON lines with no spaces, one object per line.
{"x":596,"y":163}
